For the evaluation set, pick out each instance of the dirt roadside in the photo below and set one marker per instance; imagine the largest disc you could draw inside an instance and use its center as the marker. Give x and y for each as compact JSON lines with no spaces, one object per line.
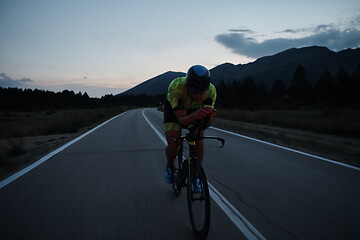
{"x":346,"y":150}
{"x":30,"y":149}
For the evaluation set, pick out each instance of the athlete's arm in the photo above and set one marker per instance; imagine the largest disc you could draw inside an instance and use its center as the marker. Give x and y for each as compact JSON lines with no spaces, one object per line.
{"x":191,"y":118}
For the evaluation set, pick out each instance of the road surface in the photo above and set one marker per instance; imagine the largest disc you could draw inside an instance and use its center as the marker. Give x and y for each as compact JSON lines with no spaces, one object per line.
{"x":110,"y":185}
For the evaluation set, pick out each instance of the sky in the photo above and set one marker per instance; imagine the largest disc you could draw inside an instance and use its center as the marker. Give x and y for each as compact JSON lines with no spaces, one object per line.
{"x":108,"y":46}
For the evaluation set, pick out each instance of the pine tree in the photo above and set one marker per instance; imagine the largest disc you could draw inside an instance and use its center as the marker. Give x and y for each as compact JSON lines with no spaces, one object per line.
{"x":300,"y":88}
{"x":343,"y":87}
{"x":324,"y":88}
{"x":278,"y":90}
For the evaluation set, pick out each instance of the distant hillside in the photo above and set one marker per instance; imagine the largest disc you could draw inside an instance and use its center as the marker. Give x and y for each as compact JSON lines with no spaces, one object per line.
{"x":154,"y":86}
{"x":268,"y":69}
{"x":282,"y":65}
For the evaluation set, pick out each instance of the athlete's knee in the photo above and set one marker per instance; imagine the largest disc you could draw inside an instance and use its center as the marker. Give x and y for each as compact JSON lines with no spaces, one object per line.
{"x":171,"y":137}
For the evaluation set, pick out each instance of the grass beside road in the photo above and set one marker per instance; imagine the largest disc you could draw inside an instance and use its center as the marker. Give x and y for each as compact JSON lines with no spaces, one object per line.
{"x":337,"y":122}
{"x":25,"y":124}
{"x":18,"y":128}
{"x":331,"y":134}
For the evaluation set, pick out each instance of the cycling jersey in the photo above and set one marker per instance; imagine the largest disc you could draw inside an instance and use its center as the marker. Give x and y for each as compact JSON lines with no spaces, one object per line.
{"x":178,"y":98}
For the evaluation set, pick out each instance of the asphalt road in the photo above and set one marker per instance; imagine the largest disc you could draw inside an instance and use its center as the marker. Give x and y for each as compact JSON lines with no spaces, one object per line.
{"x":110,"y":185}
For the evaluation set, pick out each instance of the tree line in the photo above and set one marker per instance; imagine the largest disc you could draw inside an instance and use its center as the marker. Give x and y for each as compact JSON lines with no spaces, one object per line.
{"x":342,"y":89}
{"x":17,"y":99}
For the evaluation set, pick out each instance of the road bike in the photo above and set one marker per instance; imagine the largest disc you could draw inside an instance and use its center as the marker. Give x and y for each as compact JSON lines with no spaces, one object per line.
{"x":185,"y":171}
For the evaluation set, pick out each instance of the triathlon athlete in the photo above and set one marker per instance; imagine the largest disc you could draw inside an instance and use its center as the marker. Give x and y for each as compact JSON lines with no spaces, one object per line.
{"x":189,"y":99}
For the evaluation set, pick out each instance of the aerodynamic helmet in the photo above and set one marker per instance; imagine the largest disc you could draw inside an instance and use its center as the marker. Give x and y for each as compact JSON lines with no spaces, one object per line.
{"x":198,"y":79}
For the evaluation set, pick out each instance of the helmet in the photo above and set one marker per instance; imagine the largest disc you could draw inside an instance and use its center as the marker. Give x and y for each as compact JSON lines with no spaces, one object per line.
{"x":198,"y":79}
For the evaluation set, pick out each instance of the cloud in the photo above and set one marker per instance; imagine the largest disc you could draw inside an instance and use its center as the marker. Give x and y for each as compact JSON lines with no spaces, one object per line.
{"x":241,"y":30}
{"x":355,"y":21}
{"x":321,"y":35}
{"x":289,"y":31}
{"x":318,"y":28}
{"x":293,"y":30}
{"x":6,"y":81}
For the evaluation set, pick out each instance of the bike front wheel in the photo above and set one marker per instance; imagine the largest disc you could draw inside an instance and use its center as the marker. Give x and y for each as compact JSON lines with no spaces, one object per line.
{"x":177,"y":176}
{"x":198,"y":202}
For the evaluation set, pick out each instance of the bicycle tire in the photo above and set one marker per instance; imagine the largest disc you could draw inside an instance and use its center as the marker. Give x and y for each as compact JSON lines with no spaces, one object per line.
{"x":177,"y":174}
{"x":199,"y":203}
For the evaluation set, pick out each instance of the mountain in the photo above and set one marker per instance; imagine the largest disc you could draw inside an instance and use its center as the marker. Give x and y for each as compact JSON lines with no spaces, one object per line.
{"x":282,"y":66}
{"x":154,"y":86}
{"x":267,"y":69}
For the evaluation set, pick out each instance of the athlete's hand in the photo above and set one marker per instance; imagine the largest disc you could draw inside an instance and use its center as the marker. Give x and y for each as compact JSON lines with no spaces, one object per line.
{"x":211,"y":111}
{"x":201,"y":113}
{"x":204,"y":112}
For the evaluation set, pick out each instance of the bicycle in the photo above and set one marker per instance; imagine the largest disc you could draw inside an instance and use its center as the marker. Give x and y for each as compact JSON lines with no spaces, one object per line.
{"x":185,"y":170}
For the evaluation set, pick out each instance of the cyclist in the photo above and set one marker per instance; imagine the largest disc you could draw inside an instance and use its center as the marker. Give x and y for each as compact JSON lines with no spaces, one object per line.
{"x":189,"y":99}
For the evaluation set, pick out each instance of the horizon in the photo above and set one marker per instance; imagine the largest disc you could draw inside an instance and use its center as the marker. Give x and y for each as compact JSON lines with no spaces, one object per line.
{"x":6,"y":78}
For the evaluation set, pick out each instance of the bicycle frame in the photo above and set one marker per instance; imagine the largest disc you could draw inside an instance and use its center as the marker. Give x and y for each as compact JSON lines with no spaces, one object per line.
{"x":186,"y":164}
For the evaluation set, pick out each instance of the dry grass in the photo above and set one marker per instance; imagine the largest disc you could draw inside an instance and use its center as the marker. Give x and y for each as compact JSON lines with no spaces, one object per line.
{"x":23,"y":124}
{"x":17,"y":126}
{"x":336,"y":122}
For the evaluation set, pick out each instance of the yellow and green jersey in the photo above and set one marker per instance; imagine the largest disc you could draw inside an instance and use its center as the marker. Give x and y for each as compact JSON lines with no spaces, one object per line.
{"x":179,"y":97}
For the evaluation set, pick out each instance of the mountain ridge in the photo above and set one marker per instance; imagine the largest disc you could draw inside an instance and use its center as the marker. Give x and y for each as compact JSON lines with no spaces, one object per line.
{"x":267,"y":69}
{"x":154,"y":86}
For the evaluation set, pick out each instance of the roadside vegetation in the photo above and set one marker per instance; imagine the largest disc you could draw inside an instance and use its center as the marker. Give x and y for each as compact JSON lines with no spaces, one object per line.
{"x":339,"y":122}
{"x":329,"y":106}
{"x":25,"y":124}
{"x":17,"y":126}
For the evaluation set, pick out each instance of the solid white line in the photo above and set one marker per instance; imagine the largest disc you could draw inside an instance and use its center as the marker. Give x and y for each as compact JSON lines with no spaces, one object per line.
{"x":155,"y":130}
{"x":289,"y":149}
{"x":48,"y":156}
{"x":235,"y":216}
{"x":238,"y":219}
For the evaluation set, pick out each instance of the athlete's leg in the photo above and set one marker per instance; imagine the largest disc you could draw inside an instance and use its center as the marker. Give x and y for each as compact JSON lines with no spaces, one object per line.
{"x":170,"y":150}
{"x":172,"y":129}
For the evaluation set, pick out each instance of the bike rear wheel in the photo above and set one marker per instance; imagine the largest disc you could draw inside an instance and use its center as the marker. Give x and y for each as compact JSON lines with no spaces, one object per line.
{"x":199,"y":203}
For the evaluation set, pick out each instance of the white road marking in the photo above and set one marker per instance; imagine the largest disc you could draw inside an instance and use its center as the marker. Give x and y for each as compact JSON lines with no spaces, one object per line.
{"x":238,"y":219}
{"x":289,"y":149}
{"x":48,"y":156}
{"x":235,"y":216}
